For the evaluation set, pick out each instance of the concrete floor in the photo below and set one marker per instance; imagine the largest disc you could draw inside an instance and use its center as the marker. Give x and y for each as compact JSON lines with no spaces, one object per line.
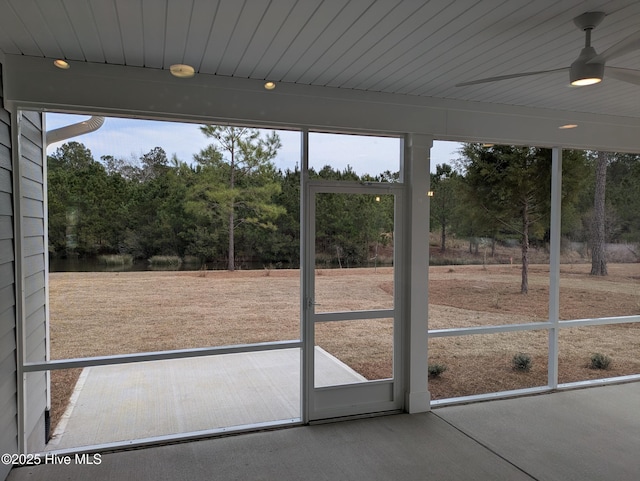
{"x":141,"y":400}
{"x":588,"y":434}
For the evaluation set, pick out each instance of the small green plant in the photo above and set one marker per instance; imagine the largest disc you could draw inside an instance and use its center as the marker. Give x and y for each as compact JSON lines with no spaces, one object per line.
{"x":600,"y":361}
{"x":521,"y":362}
{"x":436,"y":369}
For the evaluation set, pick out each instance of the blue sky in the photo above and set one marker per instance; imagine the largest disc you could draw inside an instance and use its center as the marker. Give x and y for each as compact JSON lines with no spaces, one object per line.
{"x":131,"y":138}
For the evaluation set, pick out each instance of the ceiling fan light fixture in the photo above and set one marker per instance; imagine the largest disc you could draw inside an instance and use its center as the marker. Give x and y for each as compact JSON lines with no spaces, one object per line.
{"x":586,"y":81}
{"x":584,"y":73}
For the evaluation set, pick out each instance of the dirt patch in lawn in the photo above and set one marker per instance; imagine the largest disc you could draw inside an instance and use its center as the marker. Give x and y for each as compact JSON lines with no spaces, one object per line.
{"x":95,"y":314}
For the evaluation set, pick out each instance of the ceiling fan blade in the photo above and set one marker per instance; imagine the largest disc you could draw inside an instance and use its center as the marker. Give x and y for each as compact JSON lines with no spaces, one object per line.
{"x":510,"y":76}
{"x":624,"y":74}
{"x":629,"y":44}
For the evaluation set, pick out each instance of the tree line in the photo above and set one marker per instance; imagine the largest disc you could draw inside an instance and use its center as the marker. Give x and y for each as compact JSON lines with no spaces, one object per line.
{"x":503,"y":193}
{"x":231,"y":206}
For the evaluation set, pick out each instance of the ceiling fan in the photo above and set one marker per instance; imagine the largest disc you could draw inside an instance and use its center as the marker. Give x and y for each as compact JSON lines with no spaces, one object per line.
{"x":589,"y":68}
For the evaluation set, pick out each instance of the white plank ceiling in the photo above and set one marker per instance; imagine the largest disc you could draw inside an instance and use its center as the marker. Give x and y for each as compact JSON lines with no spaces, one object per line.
{"x":411,"y":47}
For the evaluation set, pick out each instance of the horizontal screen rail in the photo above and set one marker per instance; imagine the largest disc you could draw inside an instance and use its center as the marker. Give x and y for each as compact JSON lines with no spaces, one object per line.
{"x":600,"y":321}
{"x":354,"y":315}
{"x":531,"y":326}
{"x":467,"y":331}
{"x":158,"y":356}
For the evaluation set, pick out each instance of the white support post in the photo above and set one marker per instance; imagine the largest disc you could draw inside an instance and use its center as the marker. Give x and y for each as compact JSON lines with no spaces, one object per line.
{"x":47,"y":316}
{"x":554,"y":264}
{"x":306,"y":283}
{"x":416,"y":165}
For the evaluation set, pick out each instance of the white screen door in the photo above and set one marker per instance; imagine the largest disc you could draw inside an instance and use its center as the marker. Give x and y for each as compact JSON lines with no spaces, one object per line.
{"x":351,"y":303}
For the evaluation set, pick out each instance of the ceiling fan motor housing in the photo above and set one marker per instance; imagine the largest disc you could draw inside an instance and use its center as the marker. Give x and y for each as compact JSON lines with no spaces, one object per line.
{"x":581,"y":68}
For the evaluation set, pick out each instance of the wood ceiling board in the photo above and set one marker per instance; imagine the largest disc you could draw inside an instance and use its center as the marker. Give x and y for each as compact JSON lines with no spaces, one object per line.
{"x":82,"y":23}
{"x":202,"y":18}
{"x":372,"y":44}
{"x":224,"y":23}
{"x":40,"y":24}
{"x":286,"y":35}
{"x":14,"y":28}
{"x":130,"y":20}
{"x":263,"y":36}
{"x":248,"y":21}
{"x":415,"y":45}
{"x":319,"y":72}
{"x":339,"y":21}
{"x":108,"y":28}
{"x":443,"y":42}
{"x":508,"y":47}
{"x":7,"y":43}
{"x":388,"y":48}
{"x":319,"y":27}
{"x":177,"y":28}
{"x":559,"y":50}
{"x":154,"y":18}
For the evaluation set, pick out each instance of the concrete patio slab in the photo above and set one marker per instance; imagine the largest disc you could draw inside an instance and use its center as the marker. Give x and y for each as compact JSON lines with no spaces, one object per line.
{"x":157,"y":398}
{"x":399,"y":447}
{"x":586,"y":434}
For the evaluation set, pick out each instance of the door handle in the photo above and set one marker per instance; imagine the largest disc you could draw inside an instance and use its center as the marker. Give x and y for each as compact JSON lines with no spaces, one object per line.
{"x":311,"y":303}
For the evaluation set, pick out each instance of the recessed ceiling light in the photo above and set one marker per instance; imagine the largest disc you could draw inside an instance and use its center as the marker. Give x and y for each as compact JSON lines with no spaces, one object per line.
{"x":270,"y":85}
{"x":568,"y":126}
{"x":61,"y":64}
{"x":182,"y":71}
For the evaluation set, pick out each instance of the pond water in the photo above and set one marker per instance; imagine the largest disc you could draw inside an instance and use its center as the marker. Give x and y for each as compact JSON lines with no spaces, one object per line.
{"x":95,"y":265}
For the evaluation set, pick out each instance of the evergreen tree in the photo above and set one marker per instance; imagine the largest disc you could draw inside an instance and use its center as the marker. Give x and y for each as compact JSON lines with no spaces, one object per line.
{"x":510,"y":187}
{"x":623,"y":186}
{"x":240,"y":186}
{"x":510,"y":184}
{"x":84,"y":203}
{"x":444,"y":185}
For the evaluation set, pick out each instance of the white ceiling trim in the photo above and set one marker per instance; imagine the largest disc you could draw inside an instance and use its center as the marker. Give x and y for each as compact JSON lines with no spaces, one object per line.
{"x":33,"y":83}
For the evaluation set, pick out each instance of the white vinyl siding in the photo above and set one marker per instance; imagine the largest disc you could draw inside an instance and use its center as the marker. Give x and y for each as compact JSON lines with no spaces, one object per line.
{"x":33,"y":254}
{"x":8,"y":389}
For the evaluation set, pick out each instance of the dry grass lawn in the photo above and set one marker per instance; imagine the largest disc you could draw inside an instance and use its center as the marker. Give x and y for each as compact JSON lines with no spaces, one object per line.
{"x":96,"y":314}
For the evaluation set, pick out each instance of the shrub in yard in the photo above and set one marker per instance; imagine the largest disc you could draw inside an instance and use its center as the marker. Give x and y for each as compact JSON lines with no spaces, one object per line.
{"x":600,"y":361}
{"x":116,"y":259}
{"x":436,"y":369}
{"x":521,"y":362}
{"x":165,"y":261}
